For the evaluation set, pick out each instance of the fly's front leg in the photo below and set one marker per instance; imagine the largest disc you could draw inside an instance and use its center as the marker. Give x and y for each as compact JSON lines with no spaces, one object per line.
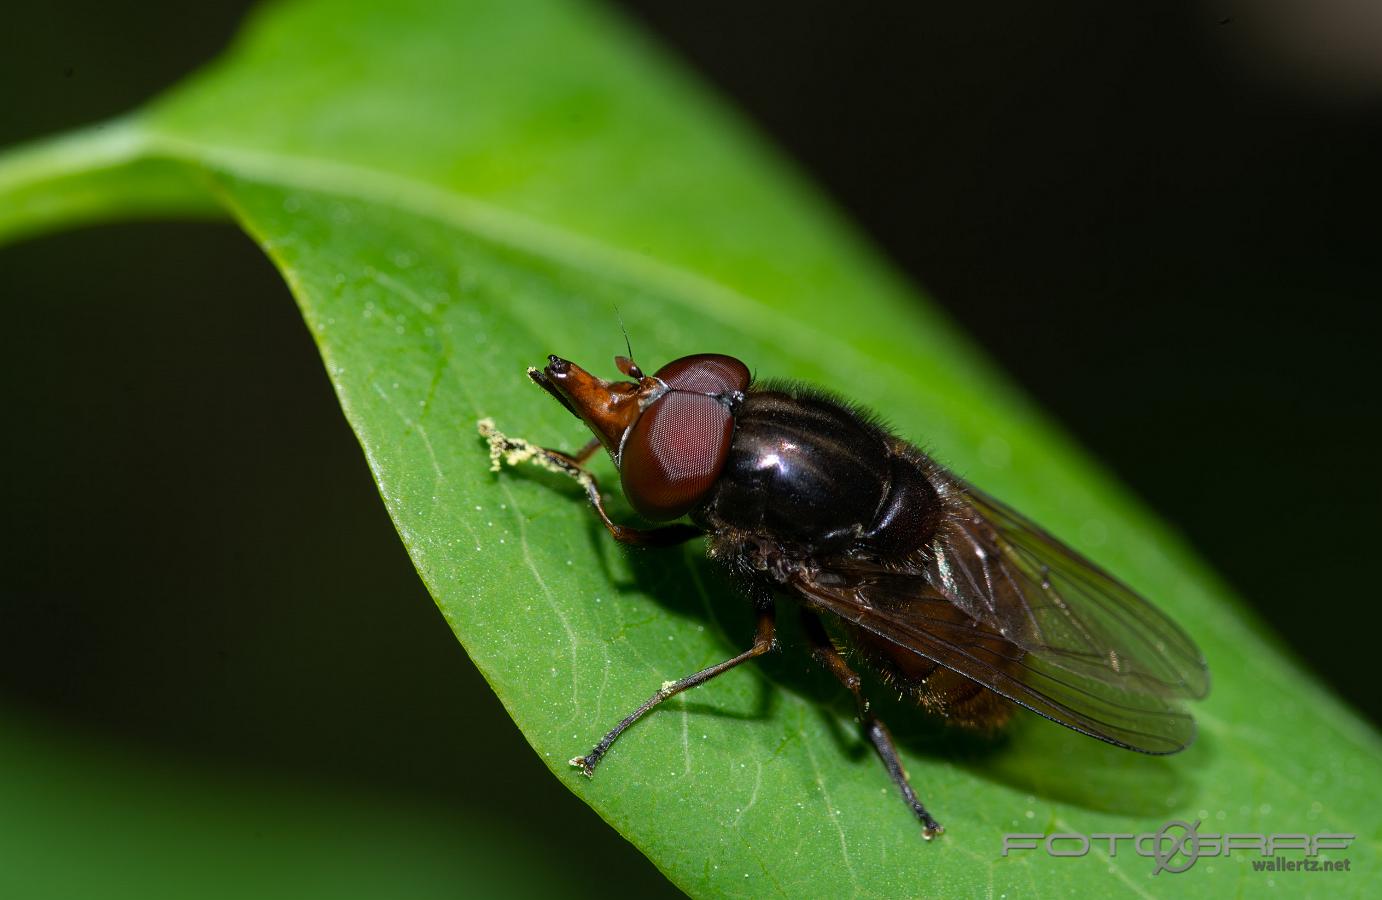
{"x":582,"y":455}
{"x":764,"y":641}
{"x":505,"y":449}
{"x":878,"y":734}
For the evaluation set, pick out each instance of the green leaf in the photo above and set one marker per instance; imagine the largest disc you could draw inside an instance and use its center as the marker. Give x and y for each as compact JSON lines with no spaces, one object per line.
{"x":86,"y":817}
{"x":453,"y":191}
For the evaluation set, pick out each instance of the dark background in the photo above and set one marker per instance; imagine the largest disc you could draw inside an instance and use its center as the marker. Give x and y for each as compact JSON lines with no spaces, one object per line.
{"x":1159,"y":218}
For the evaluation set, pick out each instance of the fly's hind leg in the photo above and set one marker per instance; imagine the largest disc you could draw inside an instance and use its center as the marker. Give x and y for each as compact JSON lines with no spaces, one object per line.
{"x":824,"y":651}
{"x":505,"y":449}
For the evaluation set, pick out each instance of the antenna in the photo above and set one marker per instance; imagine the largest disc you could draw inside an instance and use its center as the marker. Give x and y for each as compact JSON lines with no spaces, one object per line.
{"x":626,"y":363}
{"x":628,"y":347}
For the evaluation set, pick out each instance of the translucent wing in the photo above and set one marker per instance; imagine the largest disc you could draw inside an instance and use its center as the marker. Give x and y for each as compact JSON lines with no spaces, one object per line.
{"x":909,"y":613}
{"x":1006,"y":572}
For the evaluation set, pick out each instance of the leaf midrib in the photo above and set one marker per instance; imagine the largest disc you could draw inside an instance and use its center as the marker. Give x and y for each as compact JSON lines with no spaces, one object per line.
{"x":493,"y":223}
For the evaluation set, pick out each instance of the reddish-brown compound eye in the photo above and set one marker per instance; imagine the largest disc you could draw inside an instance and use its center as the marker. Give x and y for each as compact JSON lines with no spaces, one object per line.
{"x":674,"y":453}
{"x":705,"y":373}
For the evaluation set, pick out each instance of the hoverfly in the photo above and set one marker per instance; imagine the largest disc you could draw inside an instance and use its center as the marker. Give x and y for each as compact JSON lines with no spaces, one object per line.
{"x":951,"y":596}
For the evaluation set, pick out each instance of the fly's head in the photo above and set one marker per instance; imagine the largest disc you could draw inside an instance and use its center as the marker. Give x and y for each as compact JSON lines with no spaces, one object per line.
{"x":668,"y":433}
